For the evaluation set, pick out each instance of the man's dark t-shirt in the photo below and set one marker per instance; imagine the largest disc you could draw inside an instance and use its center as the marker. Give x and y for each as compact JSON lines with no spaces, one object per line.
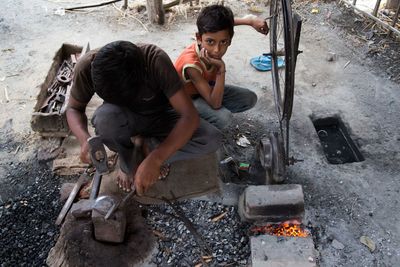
{"x":163,"y":81}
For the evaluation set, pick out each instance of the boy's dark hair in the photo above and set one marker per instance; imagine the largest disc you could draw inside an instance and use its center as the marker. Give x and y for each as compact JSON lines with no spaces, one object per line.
{"x":215,"y":18}
{"x":118,"y":69}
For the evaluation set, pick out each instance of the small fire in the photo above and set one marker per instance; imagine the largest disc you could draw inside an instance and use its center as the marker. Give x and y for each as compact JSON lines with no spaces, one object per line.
{"x":282,"y":229}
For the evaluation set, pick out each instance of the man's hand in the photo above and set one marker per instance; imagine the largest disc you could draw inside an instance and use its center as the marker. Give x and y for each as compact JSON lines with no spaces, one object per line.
{"x":218,"y":63}
{"x":260,"y":25}
{"x":147,"y":174}
{"x":85,"y":156}
{"x":77,"y":122}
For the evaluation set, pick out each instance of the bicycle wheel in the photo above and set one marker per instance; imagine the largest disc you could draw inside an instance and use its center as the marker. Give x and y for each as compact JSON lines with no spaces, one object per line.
{"x":282,"y":45}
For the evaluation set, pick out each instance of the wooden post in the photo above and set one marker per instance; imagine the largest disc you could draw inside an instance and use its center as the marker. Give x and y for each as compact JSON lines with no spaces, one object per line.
{"x":155,"y":11}
{"x":392,"y":4}
{"x":375,"y":12}
{"x":396,"y":16}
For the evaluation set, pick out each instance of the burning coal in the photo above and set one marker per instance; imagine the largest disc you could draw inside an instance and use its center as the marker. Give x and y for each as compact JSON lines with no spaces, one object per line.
{"x":282,"y":229}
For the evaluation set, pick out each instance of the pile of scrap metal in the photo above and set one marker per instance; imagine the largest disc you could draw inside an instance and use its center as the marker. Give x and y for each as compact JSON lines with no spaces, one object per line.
{"x":56,"y":93}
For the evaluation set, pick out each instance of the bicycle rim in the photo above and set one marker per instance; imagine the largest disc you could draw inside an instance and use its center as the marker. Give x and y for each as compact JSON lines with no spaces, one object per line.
{"x":282,"y":47}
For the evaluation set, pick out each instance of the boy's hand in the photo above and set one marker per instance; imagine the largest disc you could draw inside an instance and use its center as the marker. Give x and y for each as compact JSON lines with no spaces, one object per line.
{"x":218,"y":63}
{"x":260,"y":25}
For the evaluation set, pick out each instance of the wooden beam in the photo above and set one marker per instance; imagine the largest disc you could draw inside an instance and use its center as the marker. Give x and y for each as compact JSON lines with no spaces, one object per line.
{"x":380,"y":22}
{"x":175,"y":2}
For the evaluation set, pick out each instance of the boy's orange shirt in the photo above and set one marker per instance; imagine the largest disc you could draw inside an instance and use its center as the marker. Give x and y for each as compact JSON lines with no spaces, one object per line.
{"x":190,"y":58}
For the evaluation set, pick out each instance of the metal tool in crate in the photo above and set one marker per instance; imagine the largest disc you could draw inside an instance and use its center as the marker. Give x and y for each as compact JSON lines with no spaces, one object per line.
{"x":48,"y":118}
{"x":58,"y":90}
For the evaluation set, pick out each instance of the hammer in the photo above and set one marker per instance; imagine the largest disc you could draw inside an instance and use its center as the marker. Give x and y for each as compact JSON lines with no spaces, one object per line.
{"x":99,"y":159}
{"x":108,"y":214}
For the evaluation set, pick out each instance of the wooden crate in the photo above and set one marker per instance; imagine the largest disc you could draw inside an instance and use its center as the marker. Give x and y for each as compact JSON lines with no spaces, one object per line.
{"x":54,"y":123}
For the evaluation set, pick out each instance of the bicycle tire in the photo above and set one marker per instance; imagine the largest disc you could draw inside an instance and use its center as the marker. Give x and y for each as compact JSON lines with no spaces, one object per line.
{"x":281,"y":23}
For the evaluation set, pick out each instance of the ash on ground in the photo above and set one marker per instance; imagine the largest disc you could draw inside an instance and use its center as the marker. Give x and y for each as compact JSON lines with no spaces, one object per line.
{"x":227,"y":237}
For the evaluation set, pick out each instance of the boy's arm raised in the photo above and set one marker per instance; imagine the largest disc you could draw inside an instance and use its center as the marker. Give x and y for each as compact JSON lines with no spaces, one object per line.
{"x":257,"y":23}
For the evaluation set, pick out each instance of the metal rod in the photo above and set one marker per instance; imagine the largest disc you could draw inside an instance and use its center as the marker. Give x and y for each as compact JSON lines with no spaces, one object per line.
{"x":189,"y":225}
{"x":71,"y":198}
{"x":354,"y":2}
{"x":90,"y":6}
{"x":119,"y":204}
{"x":378,"y":3}
{"x":287,"y":142}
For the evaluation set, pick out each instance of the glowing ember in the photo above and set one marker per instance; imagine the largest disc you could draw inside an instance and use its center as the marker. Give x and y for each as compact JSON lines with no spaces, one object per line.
{"x":283,"y":229}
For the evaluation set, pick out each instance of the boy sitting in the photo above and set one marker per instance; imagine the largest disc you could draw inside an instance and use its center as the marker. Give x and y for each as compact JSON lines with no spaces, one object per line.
{"x":202,"y":69}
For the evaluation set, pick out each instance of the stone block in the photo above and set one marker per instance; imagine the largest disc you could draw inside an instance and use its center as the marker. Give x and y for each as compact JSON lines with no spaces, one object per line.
{"x":228,"y":194}
{"x":272,"y":203}
{"x":187,"y":179}
{"x":111,"y":230}
{"x":276,"y":251}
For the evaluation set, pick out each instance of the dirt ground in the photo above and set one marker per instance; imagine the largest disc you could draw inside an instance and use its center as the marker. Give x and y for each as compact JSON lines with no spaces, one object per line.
{"x":343,"y":202}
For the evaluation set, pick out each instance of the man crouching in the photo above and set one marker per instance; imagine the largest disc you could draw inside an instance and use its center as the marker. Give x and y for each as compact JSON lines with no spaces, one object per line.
{"x":144,"y":98}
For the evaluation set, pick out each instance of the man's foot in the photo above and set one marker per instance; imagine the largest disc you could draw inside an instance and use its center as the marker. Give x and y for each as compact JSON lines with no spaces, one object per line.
{"x":124,"y":181}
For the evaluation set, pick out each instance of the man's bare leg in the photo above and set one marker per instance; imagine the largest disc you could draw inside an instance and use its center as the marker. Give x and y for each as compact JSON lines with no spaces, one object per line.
{"x":125,"y":180}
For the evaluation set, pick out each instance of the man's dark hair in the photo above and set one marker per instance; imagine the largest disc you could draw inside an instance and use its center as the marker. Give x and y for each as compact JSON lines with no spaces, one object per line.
{"x":118,"y":69}
{"x":215,"y":18}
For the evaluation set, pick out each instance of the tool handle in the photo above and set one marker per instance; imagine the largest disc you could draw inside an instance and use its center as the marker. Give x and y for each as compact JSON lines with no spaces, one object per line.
{"x":95,"y":185}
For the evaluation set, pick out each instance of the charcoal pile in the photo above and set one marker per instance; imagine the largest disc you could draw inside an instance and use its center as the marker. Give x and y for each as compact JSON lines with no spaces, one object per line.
{"x":218,"y":225}
{"x":27,"y":229}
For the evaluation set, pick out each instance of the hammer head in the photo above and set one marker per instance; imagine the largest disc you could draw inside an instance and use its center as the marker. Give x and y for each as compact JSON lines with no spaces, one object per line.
{"x":98,"y":154}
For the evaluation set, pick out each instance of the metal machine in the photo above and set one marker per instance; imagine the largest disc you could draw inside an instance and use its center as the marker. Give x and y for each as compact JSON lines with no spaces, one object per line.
{"x":285,"y":27}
